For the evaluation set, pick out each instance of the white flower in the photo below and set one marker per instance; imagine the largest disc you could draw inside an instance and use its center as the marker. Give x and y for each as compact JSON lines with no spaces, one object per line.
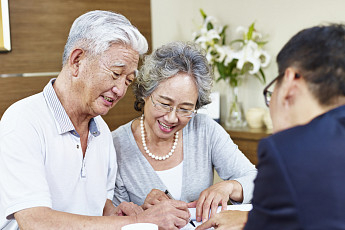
{"x":250,"y":53}
{"x":210,"y":19}
{"x":207,"y":36}
{"x":221,"y":51}
{"x":244,"y":31}
{"x":247,"y":52}
{"x":266,"y":57}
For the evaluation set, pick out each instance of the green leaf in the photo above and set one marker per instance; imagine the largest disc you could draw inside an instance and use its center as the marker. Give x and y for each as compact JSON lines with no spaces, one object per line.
{"x":250,"y":31}
{"x":203,"y":14}
{"x":209,"y":26}
{"x":261,"y":43}
{"x":263,"y":75}
{"x":223,"y":35}
{"x":237,"y":40}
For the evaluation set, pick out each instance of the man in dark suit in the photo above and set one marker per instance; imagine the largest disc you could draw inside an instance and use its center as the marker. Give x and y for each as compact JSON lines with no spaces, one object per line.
{"x":300,"y":181}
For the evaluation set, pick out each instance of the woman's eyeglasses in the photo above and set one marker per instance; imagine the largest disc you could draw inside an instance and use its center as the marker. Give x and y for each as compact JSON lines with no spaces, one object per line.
{"x":167,"y":109}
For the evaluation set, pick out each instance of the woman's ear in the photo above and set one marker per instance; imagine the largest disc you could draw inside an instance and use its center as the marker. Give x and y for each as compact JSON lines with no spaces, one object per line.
{"x":74,"y":60}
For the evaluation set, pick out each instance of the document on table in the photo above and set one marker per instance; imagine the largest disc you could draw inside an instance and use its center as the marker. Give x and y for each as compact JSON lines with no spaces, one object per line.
{"x":239,"y":207}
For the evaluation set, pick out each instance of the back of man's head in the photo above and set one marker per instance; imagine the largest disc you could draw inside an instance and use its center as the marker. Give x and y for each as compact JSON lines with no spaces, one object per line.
{"x":318,"y":53}
{"x":96,"y":30}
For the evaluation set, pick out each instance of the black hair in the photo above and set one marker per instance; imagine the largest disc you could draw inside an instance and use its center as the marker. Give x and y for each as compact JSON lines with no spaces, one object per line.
{"x":318,"y":54}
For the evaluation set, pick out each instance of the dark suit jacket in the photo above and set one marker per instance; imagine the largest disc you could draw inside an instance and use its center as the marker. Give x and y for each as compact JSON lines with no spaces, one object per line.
{"x":301,"y":177}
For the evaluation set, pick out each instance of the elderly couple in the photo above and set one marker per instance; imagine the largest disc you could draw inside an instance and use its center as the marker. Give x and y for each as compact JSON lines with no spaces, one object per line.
{"x":62,"y":168}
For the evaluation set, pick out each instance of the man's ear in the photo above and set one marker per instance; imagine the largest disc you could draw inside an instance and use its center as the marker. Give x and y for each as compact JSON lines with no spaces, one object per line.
{"x":74,"y":60}
{"x":290,"y":86}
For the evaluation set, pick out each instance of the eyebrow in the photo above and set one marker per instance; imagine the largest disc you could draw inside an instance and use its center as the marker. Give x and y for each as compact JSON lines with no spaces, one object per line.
{"x":169,"y":99}
{"x":119,"y":64}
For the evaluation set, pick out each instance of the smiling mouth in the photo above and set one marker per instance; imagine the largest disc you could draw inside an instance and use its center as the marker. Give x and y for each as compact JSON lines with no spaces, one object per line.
{"x":165,"y":126}
{"x":108,"y":98}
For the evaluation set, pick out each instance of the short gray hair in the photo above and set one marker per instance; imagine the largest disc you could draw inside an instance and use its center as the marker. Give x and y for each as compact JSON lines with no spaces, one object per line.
{"x":166,"y":62}
{"x":96,"y":31}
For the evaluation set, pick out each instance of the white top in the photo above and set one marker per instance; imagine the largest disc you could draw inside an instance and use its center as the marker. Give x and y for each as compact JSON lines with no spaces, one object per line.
{"x":41,"y":160}
{"x":172,"y":178}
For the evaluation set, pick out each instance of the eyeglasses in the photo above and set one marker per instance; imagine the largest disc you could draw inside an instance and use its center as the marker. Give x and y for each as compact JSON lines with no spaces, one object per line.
{"x":167,"y":109}
{"x":268,"y":92}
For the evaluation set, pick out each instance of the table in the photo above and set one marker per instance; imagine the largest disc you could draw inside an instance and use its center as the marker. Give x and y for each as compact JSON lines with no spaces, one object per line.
{"x":248,"y":139}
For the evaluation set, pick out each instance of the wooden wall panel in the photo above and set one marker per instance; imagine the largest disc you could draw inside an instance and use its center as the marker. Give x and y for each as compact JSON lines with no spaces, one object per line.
{"x":39,"y":30}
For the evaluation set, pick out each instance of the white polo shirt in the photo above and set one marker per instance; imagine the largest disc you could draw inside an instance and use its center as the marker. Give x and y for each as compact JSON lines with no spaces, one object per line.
{"x":42,"y":164}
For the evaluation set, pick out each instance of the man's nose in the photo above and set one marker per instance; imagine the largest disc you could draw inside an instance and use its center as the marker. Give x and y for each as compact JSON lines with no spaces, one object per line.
{"x":120,"y":87}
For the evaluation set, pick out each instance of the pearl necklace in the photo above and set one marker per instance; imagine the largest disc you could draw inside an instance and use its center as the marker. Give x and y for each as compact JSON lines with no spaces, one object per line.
{"x":148,"y":151}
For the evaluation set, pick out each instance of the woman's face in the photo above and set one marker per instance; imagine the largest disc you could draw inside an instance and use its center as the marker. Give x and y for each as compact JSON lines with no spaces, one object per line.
{"x":179,"y":92}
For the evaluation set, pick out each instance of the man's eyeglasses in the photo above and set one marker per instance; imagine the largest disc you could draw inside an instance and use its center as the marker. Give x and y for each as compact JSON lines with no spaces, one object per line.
{"x":167,"y":109}
{"x":268,"y":90}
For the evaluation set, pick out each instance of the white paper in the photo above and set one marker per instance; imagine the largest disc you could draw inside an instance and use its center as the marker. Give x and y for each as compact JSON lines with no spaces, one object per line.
{"x":239,"y":207}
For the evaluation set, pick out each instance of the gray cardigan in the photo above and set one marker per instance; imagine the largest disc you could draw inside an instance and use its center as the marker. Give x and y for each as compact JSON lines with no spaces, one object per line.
{"x":206,"y":145}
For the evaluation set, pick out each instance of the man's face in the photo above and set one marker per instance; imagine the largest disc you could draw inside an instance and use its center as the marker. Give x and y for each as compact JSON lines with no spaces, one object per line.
{"x":105,"y":78}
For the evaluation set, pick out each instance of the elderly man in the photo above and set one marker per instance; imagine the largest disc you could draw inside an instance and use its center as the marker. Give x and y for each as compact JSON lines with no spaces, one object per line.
{"x":300,"y":182}
{"x":57,"y":159}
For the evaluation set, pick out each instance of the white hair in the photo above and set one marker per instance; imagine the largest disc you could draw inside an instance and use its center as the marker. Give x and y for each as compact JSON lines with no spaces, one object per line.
{"x":96,"y":31}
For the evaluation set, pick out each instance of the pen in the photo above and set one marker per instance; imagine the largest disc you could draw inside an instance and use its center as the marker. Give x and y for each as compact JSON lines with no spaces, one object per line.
{"x":171,"y":197}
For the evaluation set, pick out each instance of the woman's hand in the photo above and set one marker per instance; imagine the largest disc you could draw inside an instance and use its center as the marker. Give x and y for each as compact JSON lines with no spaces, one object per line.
{"x":229,"y":220}
{"x":211,"y":197}
{"x":154,"y":197}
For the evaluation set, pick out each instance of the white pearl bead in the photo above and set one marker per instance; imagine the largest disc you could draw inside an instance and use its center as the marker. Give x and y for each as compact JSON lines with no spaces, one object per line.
{"x":142,"y":131}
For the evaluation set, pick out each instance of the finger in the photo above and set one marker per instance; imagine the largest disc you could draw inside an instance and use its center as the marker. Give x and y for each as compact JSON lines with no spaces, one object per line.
{"x":224,"y":205}
{"x":181,"y":205}
{"x":138,"y":210}
{"x":214,"y":207}
{"x":206,"y":209}
{"x":192,"y":204}
{"x":146,"y":206}
{"x":163,"y":197}
{"x":181,"y":222}
{"x":199,"y":205}
{"x":207,"y":225}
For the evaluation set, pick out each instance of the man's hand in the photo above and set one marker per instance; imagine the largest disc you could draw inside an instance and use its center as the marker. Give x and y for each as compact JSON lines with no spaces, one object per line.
{"x":226,"y":220}
{"x":154,"y":197}
{"x":124,"y":209}
{"x":128,"y":209}
{"x":167,"y":214}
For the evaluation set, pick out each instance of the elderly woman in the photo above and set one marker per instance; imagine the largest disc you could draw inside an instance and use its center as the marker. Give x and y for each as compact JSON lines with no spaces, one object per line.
{"x":171,"y":147}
